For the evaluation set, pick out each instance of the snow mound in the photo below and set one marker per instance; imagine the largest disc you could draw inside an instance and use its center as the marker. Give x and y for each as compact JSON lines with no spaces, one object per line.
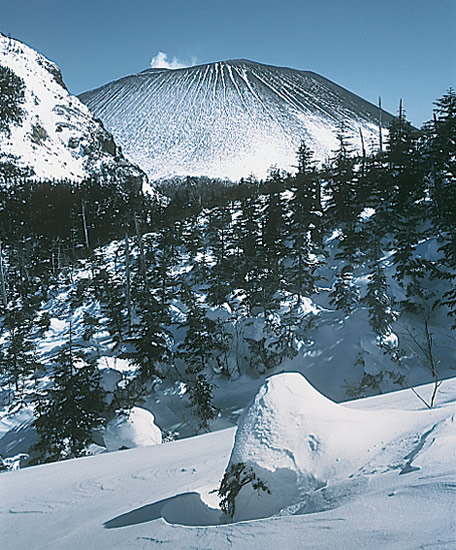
{"x":295,"y":440}
{"x":134,"y":429}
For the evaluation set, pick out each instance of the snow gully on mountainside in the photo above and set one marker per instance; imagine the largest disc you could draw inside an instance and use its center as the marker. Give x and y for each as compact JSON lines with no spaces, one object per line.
{"x":229,"y":119}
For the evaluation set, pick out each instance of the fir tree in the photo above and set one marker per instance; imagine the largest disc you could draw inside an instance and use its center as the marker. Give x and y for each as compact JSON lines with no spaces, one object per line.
{"x":344,"y":294}
{"x":381,"y":312}
{"x":342,"y":203}
{"x":19,"y":361}
{"x":196,"y":350}
{"x":200,"y":395}
{"x":12,"y":94}
{"x":67,"y":412}
{"x":303,"y":227}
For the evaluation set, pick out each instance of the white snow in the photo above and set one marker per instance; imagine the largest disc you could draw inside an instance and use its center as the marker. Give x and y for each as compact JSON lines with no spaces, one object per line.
{"x":115,"y":363}
{"x":128,"y":430}
{"x":296,"y":440}
{"x":397,"y":496}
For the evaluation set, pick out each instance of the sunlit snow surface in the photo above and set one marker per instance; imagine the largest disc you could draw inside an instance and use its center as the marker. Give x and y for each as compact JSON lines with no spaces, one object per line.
{"x":396,"y":489}
{"x":228,"y":119}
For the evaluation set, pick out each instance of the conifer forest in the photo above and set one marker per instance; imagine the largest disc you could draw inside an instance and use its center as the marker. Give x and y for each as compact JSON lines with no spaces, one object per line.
{"x":205,"y":282}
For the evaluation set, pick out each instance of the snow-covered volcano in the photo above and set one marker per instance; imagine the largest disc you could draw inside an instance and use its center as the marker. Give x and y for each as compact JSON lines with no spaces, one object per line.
{"x":58,"y":137}
{"x":229,"y":119}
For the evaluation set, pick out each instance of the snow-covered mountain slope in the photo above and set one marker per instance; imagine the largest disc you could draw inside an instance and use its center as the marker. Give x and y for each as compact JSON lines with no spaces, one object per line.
{"x":400,"y":497}
{"x":229,"y":119}
{"x":58,"y":136}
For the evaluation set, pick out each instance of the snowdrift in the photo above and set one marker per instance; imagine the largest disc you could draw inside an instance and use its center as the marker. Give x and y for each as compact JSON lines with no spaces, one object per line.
{"x":295,"y":441}
{"x":401,"y":498}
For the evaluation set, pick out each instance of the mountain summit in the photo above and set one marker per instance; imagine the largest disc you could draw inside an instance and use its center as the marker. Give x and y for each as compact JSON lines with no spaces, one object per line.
{"x":229,"y":118}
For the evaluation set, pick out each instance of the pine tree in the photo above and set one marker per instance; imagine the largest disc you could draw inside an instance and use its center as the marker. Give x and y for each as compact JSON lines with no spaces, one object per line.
{"x":19,"y":361}
{"x":200,"y":394}
{"x":12,"y":93}
{"x":345,"y":294}
{"x":381,"y":312}
{"x":303,"y":230}
{"x":406,"y":191}
{"x":66,"y":413}
{"x":222,"y":248}
{"x":273,"y":247}
{"x":151,"y":337}
{"x":342,"y":203}
{"x":197,"y":348}
{"x":249,"y":252}
{"x":441,"y":147}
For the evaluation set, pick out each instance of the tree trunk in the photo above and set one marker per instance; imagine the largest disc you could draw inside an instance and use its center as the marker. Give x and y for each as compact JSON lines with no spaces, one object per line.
{"x":84,"y":225}
{"x":142,"y":262}
{"x":2,"y":279}
{"x":128,"y":283}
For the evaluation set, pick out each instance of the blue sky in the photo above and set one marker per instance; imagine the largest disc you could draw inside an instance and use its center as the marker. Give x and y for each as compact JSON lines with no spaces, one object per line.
{"x":392,"y":48}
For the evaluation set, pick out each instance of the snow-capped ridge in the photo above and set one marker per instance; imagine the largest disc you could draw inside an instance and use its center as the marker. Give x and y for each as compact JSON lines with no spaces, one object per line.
{"x":58,"y":137}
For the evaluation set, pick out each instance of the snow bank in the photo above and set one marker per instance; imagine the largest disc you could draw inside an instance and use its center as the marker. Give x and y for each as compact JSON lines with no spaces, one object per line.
{"x":296,"y":440}
{"x":136,"y":429}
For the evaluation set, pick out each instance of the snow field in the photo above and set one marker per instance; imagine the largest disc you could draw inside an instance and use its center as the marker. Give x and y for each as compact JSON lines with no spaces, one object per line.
{"x":155,"y":496}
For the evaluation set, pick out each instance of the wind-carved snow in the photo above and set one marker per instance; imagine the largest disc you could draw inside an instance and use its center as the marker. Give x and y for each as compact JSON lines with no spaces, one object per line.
{"x":297,"y":441}
{"x":229,"y":119}
{"x":59,"y":137}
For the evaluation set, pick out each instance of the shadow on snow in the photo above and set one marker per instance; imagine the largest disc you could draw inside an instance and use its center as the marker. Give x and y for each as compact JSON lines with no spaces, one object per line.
{"x":184,"y":509}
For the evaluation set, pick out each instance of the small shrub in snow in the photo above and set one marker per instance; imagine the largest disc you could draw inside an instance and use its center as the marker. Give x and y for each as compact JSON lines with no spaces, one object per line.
{"x":236,"y":477}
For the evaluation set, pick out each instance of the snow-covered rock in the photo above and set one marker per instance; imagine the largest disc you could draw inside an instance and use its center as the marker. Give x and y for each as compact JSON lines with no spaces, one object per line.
{"x":58,"y":136}
{"x":134,"y":429}
{"x":296,"y":440}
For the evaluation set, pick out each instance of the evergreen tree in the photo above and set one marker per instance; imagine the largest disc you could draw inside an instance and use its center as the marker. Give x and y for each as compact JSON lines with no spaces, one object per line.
{"x":344,"y":294}
{"x":200,"y":394}
{"x":441,"y":147}
{"x":67,"y":412}
{"x":342,"y":203}
{"x":249,"y":252}
{"x":19,"y":361}
{"x":381,"y":312}
{"x":151,"y":337}
{"x":197,"y":348}
{"x":273,"y":247}
{"x":303,"y":231}
{"x":222,"y":247}
{"x":12,"y":94}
